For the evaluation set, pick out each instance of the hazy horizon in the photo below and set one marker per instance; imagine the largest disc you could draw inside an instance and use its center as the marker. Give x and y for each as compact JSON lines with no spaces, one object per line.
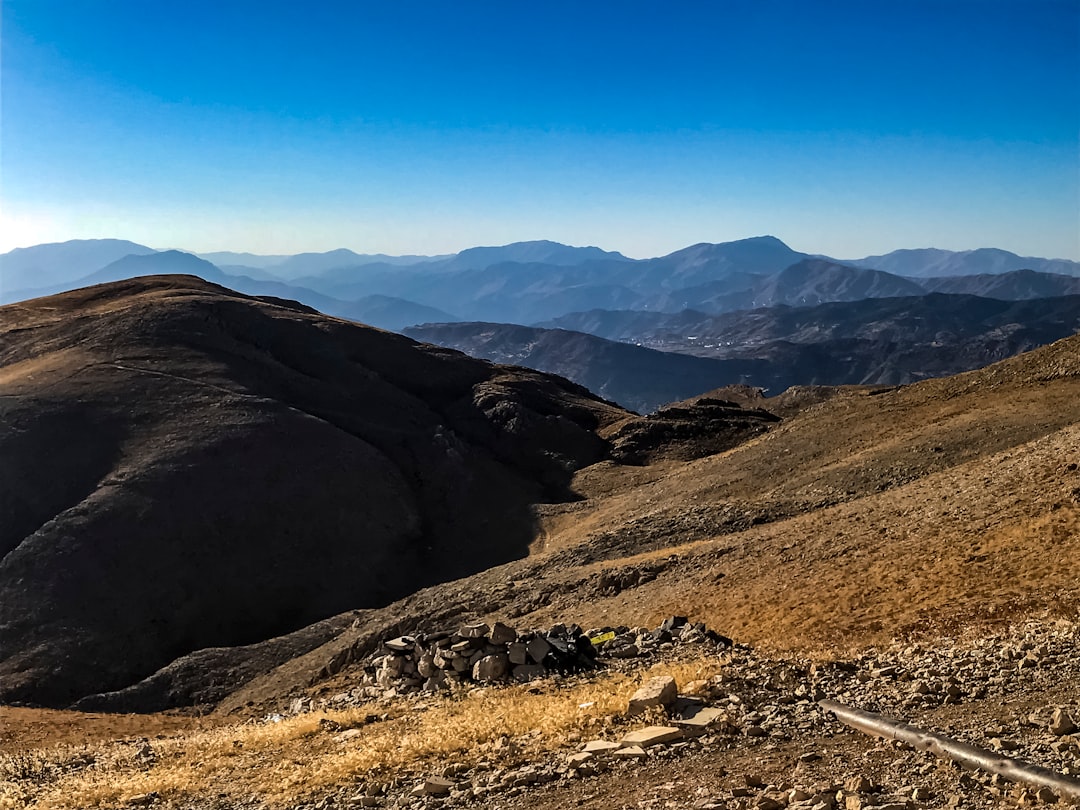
{"x":610,"y":248}
{"x":843,"y":128}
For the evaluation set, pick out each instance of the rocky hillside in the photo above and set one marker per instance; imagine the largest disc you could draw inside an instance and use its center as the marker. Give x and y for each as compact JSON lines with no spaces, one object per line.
{"x":186,"y":467}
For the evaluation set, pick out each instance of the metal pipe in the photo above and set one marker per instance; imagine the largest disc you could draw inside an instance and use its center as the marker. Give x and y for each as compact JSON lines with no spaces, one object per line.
{"x":1014,"y":770}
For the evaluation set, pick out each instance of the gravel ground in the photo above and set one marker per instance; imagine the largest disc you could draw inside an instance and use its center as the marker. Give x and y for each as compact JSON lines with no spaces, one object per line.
{"x":774,"y":747}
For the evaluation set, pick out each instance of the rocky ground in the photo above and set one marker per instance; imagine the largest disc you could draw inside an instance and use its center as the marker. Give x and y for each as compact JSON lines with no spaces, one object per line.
{"x":753,"y":736}
{"x":750,"y":735}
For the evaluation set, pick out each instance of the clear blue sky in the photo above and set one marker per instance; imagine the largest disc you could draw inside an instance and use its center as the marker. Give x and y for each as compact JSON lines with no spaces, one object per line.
{"x":844,"y":128}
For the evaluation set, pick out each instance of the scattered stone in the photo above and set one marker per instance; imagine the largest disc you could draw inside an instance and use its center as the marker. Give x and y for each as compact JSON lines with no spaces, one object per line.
{"x":436,"y":786}
{"x":659,"y":691}
{"x":1046,"y":795}
{"x":600,"y":747}
{"x":1061,"y":723}
{"x":859,"y":784}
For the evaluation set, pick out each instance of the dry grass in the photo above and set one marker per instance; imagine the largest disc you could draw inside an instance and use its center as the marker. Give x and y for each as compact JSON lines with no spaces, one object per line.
{"x":305,"y":755}
{"x":982,"y":543}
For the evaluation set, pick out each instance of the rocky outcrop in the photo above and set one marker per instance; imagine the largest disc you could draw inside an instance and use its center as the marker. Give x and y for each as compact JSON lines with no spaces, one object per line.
{"x":701,"y":427}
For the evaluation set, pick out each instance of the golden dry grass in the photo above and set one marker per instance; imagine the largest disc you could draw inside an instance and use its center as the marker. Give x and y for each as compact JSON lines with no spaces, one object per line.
{"x":985,"y":542}
{"x":304,"y":756}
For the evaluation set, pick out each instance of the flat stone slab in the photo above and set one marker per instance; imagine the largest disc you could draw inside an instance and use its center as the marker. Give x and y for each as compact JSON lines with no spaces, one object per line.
{"x":478,"y":630}
{"x":601,"y":747}
{"x":401,"y":644}
{"x":630,"y":752}
{"x":699,"y":718}
{"x":653,"y":735}
{"x":436,"y":786}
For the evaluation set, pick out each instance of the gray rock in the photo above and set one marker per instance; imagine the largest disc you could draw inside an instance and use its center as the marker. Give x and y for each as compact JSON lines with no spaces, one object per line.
{"x":502,"y":633}
{"x":538,"y":649}
{"x":491,"y":668}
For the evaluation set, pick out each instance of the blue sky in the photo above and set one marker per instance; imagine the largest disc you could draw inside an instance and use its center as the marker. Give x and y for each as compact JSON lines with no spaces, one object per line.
{"x":845,"y":128}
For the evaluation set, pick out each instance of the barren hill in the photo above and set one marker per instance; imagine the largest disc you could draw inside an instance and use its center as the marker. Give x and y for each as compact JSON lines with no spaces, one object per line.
{"x":186,"y":467}
{"x":870,"y":515}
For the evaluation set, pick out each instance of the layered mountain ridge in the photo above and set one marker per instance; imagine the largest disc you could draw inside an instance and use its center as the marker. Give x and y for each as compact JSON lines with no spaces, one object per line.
{"x":730,"y":303}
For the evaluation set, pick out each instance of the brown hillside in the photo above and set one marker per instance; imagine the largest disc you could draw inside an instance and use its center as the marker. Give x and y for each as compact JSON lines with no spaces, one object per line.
{"x":940,"y":506}
{"x":185,"y":467}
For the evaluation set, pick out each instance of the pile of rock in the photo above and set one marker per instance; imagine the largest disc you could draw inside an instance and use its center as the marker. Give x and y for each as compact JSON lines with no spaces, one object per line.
{"x":626,"y":642}
{"x":482,"y":653}
{"x":479,"y":653}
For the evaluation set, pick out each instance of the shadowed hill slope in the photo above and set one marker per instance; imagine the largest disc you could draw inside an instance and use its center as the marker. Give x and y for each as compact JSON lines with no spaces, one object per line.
{"x":637,"y":378}
{"x":186,"y":467}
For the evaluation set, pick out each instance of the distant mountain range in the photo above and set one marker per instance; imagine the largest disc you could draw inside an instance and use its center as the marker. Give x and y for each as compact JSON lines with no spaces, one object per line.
{"x":928,"y":262}
{"x":931,"y":318}
{"x":525,"y":274}
{"x":753,"y":311}
{"x":61,"y":263}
